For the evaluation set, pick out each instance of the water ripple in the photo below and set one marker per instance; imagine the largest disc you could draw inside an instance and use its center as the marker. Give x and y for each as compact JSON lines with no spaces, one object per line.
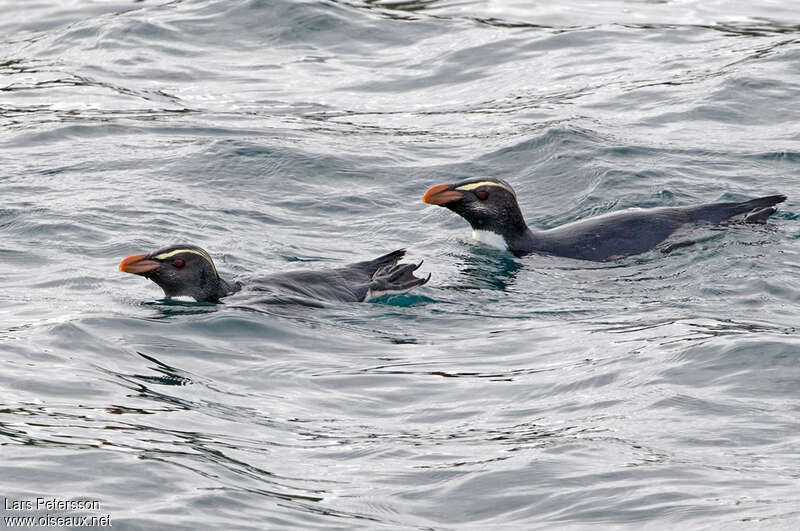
{"x":656,"y":391}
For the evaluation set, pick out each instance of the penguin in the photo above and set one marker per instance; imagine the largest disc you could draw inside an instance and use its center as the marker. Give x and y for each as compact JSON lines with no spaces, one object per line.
{"x":188,"y":270}
{"x":490,"y":206}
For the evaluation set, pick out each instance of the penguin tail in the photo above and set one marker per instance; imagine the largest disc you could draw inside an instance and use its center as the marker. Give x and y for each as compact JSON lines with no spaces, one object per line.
{"x":369,"y":267}
{"x":753,"y":211}
{"x":762,"y":202}
{"x":389,"y":258}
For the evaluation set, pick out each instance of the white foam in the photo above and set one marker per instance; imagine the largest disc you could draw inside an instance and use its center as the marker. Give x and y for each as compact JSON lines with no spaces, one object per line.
{"x":380,"y":293}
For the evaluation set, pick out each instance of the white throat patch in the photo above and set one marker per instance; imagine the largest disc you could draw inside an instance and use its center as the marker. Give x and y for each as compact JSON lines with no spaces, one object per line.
{"x":492,"y":239}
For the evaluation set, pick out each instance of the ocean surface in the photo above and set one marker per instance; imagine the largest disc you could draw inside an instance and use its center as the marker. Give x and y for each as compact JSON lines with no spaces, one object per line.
{"x":661,"y":391}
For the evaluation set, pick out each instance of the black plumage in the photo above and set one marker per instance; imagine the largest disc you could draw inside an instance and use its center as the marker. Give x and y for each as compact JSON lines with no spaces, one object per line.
{"x":188,"y":270}
{"x":491,"y":205}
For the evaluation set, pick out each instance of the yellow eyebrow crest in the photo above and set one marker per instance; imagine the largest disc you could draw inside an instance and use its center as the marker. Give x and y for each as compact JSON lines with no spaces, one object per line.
{"x":164,"y":256}
{"x":472,"y":186}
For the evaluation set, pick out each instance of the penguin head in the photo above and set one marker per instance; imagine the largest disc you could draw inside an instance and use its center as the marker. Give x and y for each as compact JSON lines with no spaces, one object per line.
{"x":180,"y":270}
{"x":487,"y":204}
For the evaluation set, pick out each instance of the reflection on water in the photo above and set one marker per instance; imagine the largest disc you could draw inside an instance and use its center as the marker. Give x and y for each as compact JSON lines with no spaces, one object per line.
{"x":485,"y":268}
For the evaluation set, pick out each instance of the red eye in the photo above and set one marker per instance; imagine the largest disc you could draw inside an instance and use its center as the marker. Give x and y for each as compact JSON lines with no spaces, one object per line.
{"x":482,"y":195}
{"x":178,"y":263}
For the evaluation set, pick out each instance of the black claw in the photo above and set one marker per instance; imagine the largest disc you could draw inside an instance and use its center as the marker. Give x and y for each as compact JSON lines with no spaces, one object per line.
{"x":395,"y":276}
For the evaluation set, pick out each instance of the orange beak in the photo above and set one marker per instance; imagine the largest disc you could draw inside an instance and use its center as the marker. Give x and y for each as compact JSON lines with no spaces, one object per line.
{"x":138,"y":264}
{"x":441,"y":195}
